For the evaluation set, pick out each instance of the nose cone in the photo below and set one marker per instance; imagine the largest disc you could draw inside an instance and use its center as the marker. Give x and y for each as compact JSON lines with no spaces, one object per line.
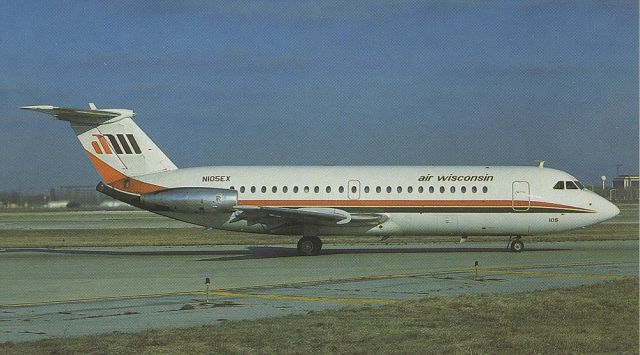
{"x":608,"y":210}
{"x":614,"y":210}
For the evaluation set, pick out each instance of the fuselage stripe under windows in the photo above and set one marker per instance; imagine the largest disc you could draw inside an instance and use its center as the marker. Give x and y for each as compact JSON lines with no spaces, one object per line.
{"x":124,"y":143}
{"x":134,"y":144}
{"x":114,"y":143}
{"x":402,"y":209}
{"x":483,"y":206}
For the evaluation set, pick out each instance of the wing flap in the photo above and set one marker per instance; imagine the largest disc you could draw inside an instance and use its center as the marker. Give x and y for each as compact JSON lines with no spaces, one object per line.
{"x":317,"y":216}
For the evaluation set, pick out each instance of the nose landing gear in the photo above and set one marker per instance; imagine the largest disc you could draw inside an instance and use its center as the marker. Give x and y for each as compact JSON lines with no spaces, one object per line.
{"x":309,"y":246}
{"x":515,"y":244}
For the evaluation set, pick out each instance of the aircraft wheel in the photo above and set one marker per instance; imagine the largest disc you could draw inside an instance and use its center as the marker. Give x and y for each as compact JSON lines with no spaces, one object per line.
{"x":517,"y":246}
{"x":309,"y":246}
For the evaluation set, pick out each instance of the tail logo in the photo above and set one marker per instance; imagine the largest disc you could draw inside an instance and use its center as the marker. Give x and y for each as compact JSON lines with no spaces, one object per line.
{"x":120,"y":143}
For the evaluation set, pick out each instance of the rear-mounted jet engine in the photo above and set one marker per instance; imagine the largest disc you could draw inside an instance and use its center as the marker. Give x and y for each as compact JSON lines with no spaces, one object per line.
{"x":191,"y":200}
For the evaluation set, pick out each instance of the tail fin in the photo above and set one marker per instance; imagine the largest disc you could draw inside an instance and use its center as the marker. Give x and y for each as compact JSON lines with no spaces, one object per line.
{"x":116,"y":146}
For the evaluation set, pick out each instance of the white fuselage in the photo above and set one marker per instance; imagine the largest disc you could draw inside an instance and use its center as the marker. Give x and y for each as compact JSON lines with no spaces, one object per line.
{"x":313,"y":201}
{"x":418,"y":200}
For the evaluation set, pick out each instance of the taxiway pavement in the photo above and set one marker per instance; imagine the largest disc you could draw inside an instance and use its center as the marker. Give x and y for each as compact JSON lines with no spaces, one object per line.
{"x":78,"y":291}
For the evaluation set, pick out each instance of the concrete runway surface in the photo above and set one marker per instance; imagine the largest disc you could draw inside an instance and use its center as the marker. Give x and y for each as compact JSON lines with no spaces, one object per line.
{"x":69,"y":292}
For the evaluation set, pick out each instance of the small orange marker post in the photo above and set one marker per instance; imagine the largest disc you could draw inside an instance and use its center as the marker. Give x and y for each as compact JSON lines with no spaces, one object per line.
{"x":207,"y":283}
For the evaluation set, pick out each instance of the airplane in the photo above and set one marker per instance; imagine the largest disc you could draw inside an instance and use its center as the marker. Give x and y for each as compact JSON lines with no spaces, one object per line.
{"x":316,"y":201}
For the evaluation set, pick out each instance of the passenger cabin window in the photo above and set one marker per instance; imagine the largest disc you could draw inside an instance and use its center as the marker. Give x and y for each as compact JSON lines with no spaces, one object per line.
{"x":420,"y":189}
{"x":285,"y":189}
{"x":485,"y":189}
{"x":559,"y":185}
{"x":274,"y":189}
{"x":341,"y":189}
{"x":409,"y":189}
{"x":253,"y":189}
{"x":306,"y":189}
{"x":295,"y":189}
{"x":316,"y":189}
{"x":388,"y":189}
{"x":570,"y":185}
{"x":431,"y":189}
{"x":263,"y":189}
{"x":328,"y":189}
{"x":242,"y":189}
{"x":474,"y":189}
{"x":366,"y":189}
{"x":463,"y":189}
{"x":378,"y":189}
{"x":441,"y":189}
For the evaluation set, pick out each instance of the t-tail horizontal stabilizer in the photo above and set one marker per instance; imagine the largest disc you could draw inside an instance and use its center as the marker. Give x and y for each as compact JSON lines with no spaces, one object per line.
{"x":92,"y":116}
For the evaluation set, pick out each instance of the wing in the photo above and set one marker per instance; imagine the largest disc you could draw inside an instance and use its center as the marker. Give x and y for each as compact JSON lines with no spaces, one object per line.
{"x":280,"y":217}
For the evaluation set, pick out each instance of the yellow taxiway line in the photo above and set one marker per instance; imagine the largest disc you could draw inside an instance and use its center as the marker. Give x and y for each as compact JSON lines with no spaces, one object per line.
{"x":556,"y":274}
{"x":237,"y":292}
{"x":272,"y":296}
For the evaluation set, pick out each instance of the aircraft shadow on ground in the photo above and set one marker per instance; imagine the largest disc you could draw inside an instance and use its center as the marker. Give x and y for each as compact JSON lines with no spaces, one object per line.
{"x":283,"y":252}
{"x":266,"y":252}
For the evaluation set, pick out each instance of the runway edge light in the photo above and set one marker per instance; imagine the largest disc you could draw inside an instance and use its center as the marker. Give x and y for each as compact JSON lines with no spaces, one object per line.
{"x":207,"y":283}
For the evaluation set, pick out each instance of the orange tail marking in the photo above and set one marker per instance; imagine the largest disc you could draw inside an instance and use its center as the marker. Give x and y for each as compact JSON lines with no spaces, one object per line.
{"x":119,"y":180}
{"x":96,"y":147}
{"x":107,"y":173}
{"x":103,"y":143}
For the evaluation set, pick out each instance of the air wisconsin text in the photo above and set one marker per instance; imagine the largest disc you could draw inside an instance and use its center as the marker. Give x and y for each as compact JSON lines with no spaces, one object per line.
{"x":452,"y":177}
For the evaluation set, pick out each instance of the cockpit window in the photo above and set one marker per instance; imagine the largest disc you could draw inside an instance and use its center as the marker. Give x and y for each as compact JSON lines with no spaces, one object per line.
{"x":579,"y":184}
{"x":559,"y":185}
{"x":571,"y":185}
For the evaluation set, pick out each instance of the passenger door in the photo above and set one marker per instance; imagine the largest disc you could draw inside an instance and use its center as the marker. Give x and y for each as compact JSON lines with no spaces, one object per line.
{"x":520,"y":196}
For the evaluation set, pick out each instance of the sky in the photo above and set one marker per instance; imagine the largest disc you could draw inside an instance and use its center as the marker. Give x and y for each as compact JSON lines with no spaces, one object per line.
{"x":325,"y":83}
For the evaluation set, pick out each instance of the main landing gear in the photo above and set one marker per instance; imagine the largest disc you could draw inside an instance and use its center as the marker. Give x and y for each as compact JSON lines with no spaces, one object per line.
{"x":309,"y":246}
{"x":515,"y":244}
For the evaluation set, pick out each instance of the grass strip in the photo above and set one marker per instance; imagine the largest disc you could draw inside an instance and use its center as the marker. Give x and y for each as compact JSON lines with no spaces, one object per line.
{"x":601,"y":318}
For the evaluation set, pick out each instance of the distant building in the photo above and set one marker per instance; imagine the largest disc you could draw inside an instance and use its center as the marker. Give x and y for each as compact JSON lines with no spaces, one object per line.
{"x":113,"y":204}
{"x":626,"y":182}
{"x":625,"y":189}
{"x":84,"y":195}
{"x":56,"y":204}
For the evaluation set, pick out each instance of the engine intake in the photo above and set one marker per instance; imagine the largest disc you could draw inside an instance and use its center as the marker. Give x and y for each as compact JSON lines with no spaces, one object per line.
{"x":191,"y":200}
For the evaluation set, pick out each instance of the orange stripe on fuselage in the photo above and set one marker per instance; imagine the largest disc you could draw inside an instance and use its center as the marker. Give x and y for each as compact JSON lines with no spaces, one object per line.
{"x":120,"y":181}
{"x":400,"y":203}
